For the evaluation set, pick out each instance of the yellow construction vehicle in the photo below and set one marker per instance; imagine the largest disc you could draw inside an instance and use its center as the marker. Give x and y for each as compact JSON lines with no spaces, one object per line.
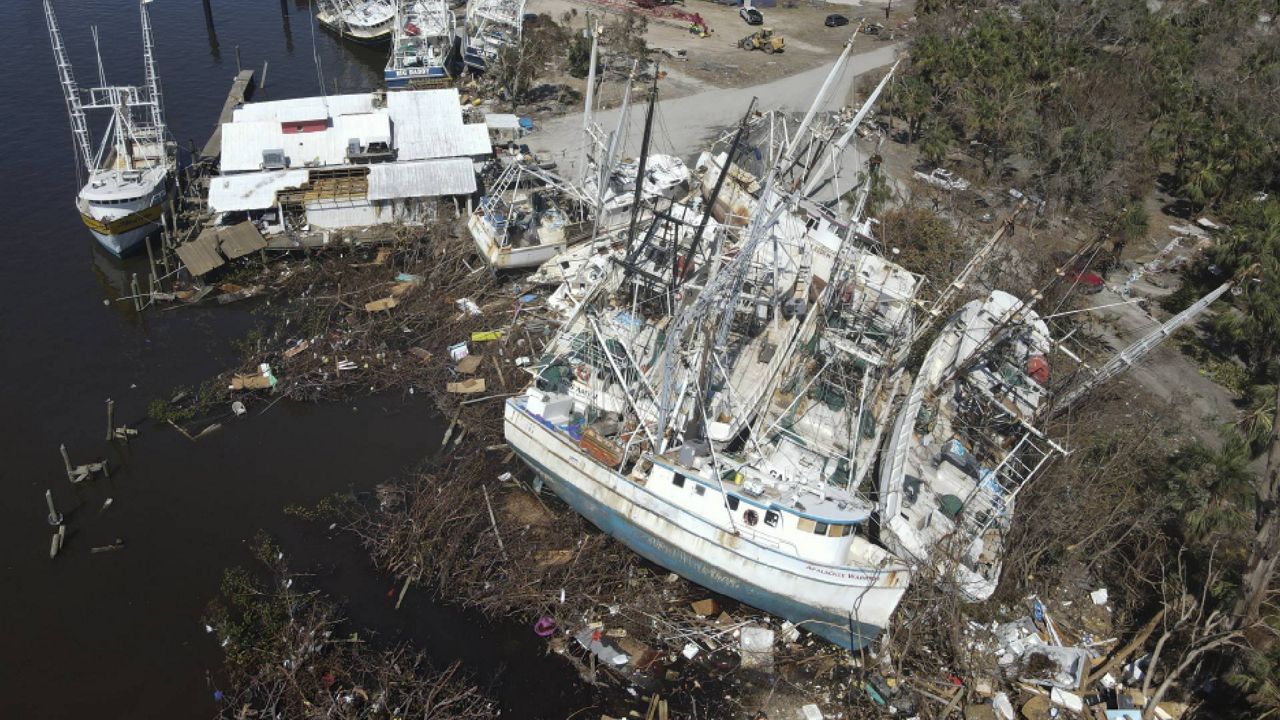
{"x":763,"y":39}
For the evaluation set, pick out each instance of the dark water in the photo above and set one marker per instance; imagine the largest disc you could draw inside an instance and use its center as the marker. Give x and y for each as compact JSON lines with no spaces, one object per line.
{"x":118,"y":635}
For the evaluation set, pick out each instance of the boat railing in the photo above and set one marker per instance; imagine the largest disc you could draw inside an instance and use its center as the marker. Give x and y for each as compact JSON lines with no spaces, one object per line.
{"x":989,"y":501}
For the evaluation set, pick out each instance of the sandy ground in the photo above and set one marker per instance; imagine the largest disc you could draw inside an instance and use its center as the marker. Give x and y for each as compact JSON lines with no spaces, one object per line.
{"x":716,"y":60}
{"x":1165,"y":373}
{"x":685,"y":124}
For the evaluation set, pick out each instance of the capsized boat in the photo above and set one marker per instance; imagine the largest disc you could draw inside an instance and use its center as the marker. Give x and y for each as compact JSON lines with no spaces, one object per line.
{"x":368,"y":22}
{"x":130,"y":174}
{"x":963,"y":443}
{"x":421,"y":44}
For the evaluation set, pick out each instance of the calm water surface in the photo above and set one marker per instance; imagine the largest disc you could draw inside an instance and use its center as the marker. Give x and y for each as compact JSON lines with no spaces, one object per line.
{"x":117,"y":635}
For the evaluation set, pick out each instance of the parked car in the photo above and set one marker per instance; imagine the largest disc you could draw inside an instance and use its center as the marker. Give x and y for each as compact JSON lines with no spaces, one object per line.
{"x":873,"y":29}
{"x":836,"y":21}
{"x":943,"y":178}
{"x":751,"y":15}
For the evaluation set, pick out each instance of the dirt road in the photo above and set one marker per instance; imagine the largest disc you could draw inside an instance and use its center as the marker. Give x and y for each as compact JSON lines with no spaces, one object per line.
{"x":684,"y":124}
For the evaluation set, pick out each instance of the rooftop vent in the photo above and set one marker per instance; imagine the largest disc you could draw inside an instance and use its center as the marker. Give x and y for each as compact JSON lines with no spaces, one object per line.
{"x":274,"y":160}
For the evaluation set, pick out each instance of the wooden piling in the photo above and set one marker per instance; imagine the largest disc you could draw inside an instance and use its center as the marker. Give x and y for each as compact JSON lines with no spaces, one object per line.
{"x":55,"y":517}
{"x":66,"y":462}
{"x":111,"y":419}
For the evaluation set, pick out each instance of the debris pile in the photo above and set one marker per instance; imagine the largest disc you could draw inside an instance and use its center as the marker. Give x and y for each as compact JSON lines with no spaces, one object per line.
{"x":289,"y":654}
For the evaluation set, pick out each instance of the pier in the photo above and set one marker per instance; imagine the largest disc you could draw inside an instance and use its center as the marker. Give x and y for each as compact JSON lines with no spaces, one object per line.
{"x":241,"y":90}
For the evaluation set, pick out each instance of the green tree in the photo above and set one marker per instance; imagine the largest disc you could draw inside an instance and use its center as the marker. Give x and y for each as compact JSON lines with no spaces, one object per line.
{"x":1213,"y":489}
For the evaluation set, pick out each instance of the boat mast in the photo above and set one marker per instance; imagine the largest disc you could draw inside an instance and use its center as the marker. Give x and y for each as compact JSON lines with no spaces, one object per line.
{"x":152,"y":77}
{"x":70,"y":92}
{"x":793,"y":147}
{"x":815,"y":180}
{"x":715,"y":192}
{"x":589,"y":108}
{"x":97,"y":51}
{"x":1125,"y":359}
{"x":638,"y":195}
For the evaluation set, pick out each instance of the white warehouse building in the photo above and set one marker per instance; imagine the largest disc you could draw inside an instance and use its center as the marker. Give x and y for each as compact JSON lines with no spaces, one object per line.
{"x":348,"y":160}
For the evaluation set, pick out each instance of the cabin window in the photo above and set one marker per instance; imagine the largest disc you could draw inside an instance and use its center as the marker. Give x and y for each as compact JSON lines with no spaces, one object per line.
{"x":805,"y":525}
{"x":733,"y":502}
{"x":750,"y":517}
{"x":771,"y":518}
{"x":820,"y":528}
{"x":838,"y":530}
{"x":699,"y":490}
{"x":677,"y":480}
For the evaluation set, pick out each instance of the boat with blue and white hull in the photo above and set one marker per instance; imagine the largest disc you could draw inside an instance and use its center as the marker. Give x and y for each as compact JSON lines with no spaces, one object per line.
{"x":840,"y":586}
{"x":421,"y":44}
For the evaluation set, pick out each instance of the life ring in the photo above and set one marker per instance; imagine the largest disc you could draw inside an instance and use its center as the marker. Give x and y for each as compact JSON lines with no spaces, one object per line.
{"x":582,"y":372}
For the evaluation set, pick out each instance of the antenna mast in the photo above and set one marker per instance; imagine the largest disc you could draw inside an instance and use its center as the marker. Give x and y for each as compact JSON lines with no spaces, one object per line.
{"x":70,"y":92}
{"x":152,"y":77}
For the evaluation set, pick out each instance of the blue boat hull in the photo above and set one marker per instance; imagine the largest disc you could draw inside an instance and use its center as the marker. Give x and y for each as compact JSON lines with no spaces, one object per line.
{"x":396,"y":80}
{"x":842,"y":631}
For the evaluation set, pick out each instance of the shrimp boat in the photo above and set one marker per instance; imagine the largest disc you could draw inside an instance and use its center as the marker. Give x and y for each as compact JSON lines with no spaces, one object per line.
{"x":527,"y":217}
{"x":130,"y":174}
{"x":422,"y":44}
{"x":619,"y":427}
{"x":368,"y":22}
{"x":491,"y":26}
{"x":963,"y":443}
{"x":652,"y":413}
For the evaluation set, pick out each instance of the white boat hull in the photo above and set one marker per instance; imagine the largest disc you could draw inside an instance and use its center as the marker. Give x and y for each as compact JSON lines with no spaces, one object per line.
{"x":849,"y":606}
{"x":510,"y":258}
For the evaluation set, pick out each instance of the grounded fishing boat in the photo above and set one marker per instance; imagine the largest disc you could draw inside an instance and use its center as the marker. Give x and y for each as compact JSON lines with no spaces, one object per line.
{"x":421,"y":45}
{"x":964,"y":443}
{"x":368,"y":22}
{"x":491,"y":26}
{"x":622,"y":431}
{"x":649,"y":413}
{"x":526,"y":217}
{"x":130,"y":175}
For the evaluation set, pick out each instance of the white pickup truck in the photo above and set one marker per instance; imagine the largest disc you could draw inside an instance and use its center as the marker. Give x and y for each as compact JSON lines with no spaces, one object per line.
{"x":943,"y":178}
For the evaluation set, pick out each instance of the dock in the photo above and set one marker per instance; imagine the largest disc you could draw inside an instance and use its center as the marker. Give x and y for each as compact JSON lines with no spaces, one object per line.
{"x":241,"y":90}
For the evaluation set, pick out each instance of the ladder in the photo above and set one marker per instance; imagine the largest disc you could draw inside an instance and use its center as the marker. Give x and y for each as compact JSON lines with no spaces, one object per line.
{"x":70,"y":91}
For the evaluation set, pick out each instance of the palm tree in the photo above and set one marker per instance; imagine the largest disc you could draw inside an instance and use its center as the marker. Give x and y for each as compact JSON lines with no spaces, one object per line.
{"x":1216,"y":486}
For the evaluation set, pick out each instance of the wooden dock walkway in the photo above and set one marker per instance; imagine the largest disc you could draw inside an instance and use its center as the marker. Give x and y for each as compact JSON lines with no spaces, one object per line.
{"x":241,"y":90}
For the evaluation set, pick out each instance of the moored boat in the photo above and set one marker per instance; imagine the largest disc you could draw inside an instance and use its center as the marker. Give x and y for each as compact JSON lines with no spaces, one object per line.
{"x":421,"y":45}
{"x":367,"y":22}
{"x":130,"y":174}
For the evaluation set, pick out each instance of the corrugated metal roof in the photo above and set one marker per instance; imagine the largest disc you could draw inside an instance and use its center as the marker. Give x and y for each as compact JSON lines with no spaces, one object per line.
{"x":428,"y":125}
{"x":244,"y":142}
{"x":201,"y":255}
{"x":501,"y":121}
{"x":308,"y":108}
{"x":252,"y":191}
{"x":424,"y":178}
{"x":240,"y":240}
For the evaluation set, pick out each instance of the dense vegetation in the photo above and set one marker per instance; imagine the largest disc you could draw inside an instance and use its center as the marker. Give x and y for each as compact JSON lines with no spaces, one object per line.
{"x":1095,"y":106}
